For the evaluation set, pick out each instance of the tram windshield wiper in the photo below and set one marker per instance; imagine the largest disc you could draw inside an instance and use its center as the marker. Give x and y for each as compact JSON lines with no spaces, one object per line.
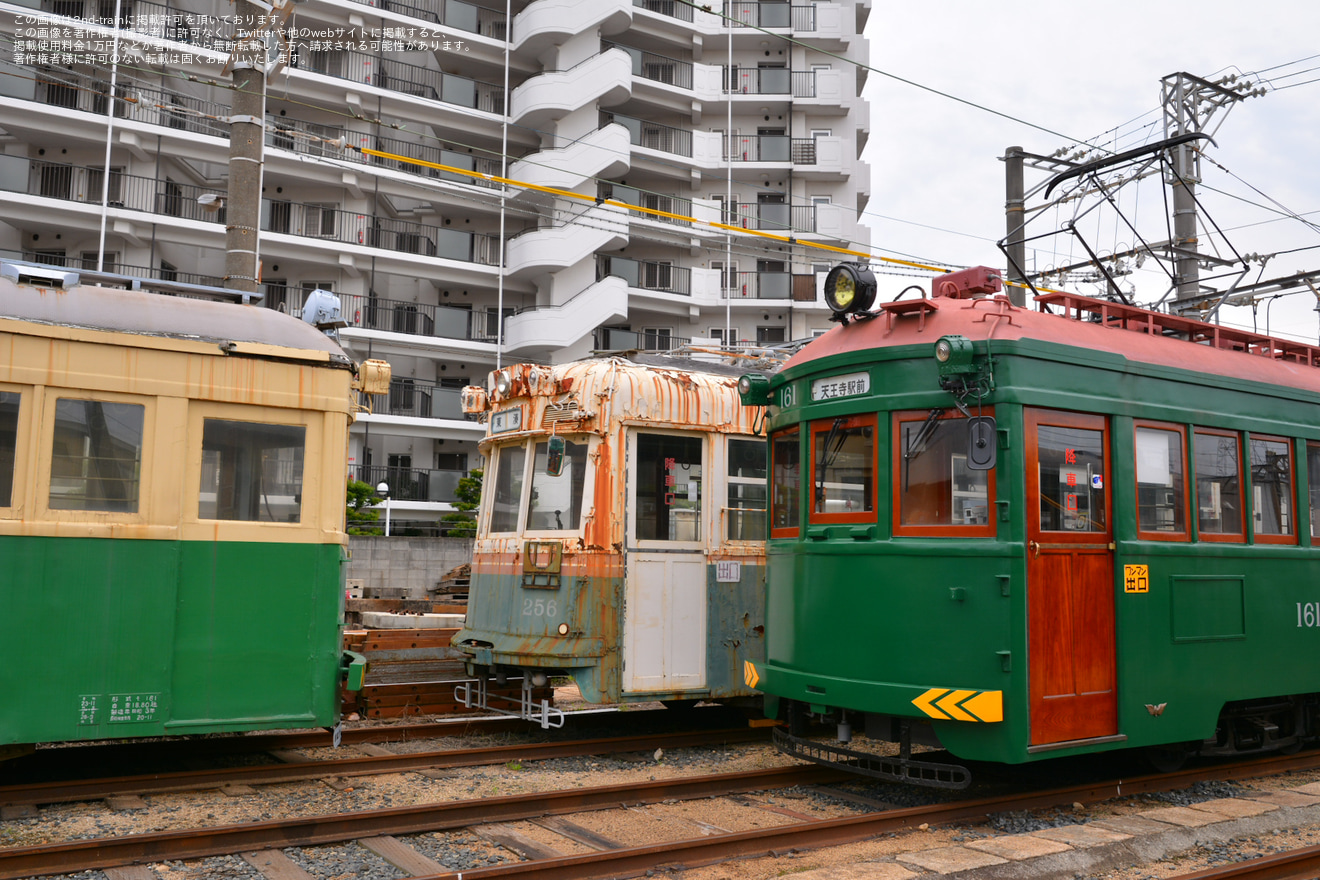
{"x":917,"y":442}
{"x":828,"y":455}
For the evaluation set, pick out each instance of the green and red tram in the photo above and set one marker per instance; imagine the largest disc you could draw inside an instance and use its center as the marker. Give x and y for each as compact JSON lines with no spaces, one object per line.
{"x":1019,"y":534}
{"x":172,"y":480}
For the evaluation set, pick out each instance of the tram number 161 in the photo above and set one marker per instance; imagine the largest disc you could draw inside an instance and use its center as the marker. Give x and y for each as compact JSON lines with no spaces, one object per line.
{"x":1308,"y":614}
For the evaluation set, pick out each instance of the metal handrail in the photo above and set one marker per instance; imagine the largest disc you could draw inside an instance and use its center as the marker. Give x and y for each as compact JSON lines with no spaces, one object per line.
{"x":652,"y":135}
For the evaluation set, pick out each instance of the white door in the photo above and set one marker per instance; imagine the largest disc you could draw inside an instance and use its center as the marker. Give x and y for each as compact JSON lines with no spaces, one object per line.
{"x":664,"y":613}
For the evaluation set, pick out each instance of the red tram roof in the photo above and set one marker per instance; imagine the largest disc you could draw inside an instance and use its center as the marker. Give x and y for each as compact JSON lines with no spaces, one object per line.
{"x":1086,"y":323}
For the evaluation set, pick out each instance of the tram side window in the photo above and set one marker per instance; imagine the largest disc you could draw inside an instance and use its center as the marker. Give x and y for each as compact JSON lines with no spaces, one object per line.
{"x":8,"y":445}
{"x":786,"y":483}
{"x":668,"y":492}
{"x":251,"y":471}
{"x":508,"y":488}
{"x":1161,"y":488}
{"x":1271,"y":487}
{"x":96,"y":457}
{"x":555,"y":503}
{"x":843,"y":469}
{"x":1218,"y":486}
{"x":746,"y":501}
{"x":935,"y":486}
{"x":1313,"y":481}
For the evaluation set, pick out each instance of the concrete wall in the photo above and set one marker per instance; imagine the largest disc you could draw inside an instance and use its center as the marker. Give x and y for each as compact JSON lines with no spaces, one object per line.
{"x":415,"y":563}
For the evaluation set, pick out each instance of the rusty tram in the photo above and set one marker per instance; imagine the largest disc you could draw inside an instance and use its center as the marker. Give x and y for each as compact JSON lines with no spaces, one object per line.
{"x":620,"y":536}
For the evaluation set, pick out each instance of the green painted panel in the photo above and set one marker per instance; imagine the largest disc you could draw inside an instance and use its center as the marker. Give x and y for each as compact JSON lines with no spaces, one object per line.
{"x":113,"y":638}
{"x":1207,"y":608}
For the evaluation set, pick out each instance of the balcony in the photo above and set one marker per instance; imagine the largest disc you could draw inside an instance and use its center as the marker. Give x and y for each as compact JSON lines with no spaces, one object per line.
{"x":646,"y":275}
{"x":652,"y":135}
{"x":760,"y":285}
{"x":658,"y":68}
{"x":50,"y":258}
{"x":452,"y":13}
{"x":411,"y":484}
{"x":402,"y":236}
{"x":394,"y":316}
{"x":671,"y":8}
{"x":772,"y":16}
{"x":774,"y":217}
{"x":614,"y":339}
{"x":83,"y":184}
{"x":769,"y":81}
{"x":669,"y":204}
{"x":413,"y":398}
{"x":402,"y":78}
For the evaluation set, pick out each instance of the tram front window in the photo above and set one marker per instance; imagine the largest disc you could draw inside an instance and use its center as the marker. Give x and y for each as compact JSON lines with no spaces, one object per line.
{"x":8,"y":445}
{"x":844,"y":467}
{"x":786,"y":468}
{"x":508,"y":488}
{"x":935,"y":485}
{"x":555,"y":502}
{"x":96,"y":459}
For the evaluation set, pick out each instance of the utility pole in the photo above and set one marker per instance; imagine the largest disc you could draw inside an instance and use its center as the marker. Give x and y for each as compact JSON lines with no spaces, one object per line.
{"x":247,"y":141}
{"x":1015,"y":218}
{"x":1190,"y":102}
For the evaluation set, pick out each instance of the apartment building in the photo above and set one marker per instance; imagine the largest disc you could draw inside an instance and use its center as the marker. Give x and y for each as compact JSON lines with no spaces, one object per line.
{"x":747,"y":113}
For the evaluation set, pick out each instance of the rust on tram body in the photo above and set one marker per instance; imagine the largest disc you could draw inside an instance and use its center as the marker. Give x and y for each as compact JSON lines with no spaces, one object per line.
{"x":598,"y":578}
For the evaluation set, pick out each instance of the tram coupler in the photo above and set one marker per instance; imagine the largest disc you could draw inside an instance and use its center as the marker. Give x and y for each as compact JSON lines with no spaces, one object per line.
{"x":477,"y":695}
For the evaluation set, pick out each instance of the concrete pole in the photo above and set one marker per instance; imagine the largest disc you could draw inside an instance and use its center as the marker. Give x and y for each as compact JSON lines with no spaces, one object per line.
{"x":246,"y":149}
{"x":1014,"y":220}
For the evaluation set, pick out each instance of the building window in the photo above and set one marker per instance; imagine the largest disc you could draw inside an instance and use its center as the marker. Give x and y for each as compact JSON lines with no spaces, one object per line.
{"x":1217,"y":458}
{"x":1271,"y":489}
{"x":251,"y":471}
{"x":1161,"y":483}
{"x":843,"y":469}
{"x":96,"y":455}
{"x":936,"y":492}
{"x":718,"y":334}
{"x":769,"y":335}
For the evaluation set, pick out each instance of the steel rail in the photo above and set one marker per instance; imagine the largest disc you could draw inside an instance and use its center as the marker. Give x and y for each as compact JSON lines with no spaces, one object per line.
{"x":1297,"y":864}
{"x":266,"y":774}
{"x":80,"y":855}
{"x":685,"y":854}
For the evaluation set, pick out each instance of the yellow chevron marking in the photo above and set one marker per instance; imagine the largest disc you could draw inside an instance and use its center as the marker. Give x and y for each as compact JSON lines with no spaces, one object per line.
{"x":749,"y":674}
{"x":950,"y":704}
{"x":947,"y":705}
{"x":986,"y":706}
{"x":925,"y":703}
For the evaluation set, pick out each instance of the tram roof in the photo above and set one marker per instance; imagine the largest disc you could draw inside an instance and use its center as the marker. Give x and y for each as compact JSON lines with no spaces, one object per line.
{"x":1138,"y":335}
{"x":150,"y":314}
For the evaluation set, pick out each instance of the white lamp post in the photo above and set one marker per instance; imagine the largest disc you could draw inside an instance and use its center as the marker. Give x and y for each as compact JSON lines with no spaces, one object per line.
{"x":383,"y":489}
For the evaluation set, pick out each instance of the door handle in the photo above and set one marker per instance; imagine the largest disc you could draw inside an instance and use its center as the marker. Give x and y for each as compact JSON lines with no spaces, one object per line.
{"x":1034,"y":547}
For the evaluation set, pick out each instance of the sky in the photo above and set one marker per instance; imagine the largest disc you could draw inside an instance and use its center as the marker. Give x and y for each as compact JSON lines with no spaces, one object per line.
{"x":1091,"y":71}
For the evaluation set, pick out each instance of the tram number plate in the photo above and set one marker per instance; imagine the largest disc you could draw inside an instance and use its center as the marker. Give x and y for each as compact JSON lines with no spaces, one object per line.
{"x":1136,"y":578}
{"x":1308,"y":614}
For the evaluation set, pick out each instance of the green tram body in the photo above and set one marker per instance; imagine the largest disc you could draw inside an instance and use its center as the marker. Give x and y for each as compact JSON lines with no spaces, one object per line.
{"x":964,"y":637}
{"x":638,"y":569}
{"x":171,"y":515}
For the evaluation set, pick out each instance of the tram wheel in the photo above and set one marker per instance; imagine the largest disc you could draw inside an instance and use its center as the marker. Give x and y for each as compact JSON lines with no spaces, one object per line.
{"x":1168,"y":758}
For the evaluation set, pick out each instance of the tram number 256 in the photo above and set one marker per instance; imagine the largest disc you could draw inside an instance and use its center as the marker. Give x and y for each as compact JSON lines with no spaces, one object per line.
{"x":1308,"y":614}
{"x":540,"y":608}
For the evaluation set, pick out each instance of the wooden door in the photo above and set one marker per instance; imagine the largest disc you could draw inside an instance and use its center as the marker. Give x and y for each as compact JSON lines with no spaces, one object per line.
{"x":1070,"y":578}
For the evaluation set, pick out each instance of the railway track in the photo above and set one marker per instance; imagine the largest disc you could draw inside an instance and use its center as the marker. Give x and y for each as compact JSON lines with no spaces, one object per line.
{"x":360,"y":765}
{"x":380,"y":830}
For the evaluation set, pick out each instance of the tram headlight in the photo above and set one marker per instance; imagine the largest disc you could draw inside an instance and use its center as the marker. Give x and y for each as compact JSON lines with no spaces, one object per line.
{"x":954,"y":355}
{"x":754,"y":390}
{"x":850,"y":287}
{"x":503,"y":383}
{"x":563,"y":629}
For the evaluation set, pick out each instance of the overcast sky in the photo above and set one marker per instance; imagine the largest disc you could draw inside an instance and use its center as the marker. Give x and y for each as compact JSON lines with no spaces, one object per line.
{"x":1085,"y":70}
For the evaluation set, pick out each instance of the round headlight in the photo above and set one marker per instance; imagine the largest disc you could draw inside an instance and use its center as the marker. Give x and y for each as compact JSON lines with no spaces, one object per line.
{"x":563,"y":629}
{"x":943,"y":351}
{"x":850,"y":287}
{"x":503,"y":383}
{"x":744,"y":384}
